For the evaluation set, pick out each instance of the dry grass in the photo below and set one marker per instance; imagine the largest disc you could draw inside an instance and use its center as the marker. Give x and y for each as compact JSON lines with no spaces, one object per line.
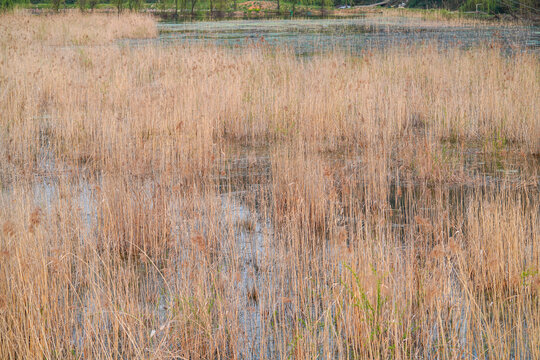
{"x":72,"y":29}
{"x":200,"y":202}
{"x":448,"y":18}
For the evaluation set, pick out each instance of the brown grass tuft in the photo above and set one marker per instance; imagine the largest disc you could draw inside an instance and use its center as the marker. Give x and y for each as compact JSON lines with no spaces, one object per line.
{"x":8,"y":228}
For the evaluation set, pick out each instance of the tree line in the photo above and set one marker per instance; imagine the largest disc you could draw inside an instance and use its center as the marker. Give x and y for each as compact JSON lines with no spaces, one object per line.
{"x":524,"y":7}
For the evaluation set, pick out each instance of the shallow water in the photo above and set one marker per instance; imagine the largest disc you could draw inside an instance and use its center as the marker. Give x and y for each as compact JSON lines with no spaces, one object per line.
{"x":306,"y":37}
{"x":248,"y":233}
{"x":248,"y":171}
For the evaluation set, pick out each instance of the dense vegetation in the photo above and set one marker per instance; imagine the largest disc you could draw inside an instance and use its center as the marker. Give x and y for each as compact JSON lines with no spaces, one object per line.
{"x":191,"y":201}
{"x":487,"y":6}
{"x":521,"y":7}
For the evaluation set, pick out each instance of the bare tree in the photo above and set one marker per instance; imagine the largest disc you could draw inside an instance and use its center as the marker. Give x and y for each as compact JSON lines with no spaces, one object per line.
{"x":193,"y":3}
{"x":56,"y":4}
{"x":82,"y":5}
{"x":119,"y":6}
{"x":92,"y":4}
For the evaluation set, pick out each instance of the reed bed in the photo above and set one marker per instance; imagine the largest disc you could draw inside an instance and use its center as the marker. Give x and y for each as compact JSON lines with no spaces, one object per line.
{"x":197,"y":202}
{"x":434,"y":17}
{"x":69,"y":28}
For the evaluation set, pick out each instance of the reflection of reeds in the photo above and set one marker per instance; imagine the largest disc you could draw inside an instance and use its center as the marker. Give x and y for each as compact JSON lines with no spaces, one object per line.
{"x":369,"y":237}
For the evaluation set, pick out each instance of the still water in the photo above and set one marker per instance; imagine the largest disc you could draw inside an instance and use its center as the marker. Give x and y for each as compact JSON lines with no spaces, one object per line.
{"x":311,"y":36}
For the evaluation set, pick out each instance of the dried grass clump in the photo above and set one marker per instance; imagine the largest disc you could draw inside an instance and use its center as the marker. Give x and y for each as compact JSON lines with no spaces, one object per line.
{"x":303,"y":193}
{"x":134,"y":218}
{"x":504,"y":246}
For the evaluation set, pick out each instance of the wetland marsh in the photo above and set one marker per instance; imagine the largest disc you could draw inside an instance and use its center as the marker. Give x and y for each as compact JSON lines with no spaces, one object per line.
{"x":177,"y":191}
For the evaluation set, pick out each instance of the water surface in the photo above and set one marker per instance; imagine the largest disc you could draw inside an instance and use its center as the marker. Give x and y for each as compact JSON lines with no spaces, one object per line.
{"x":309,"y":36}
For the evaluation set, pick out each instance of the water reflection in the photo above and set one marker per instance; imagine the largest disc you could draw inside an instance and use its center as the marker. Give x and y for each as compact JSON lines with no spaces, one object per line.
{"x":307,"y":37}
